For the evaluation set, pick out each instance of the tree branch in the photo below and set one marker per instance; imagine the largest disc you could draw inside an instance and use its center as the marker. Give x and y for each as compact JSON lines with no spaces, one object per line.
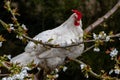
{"x":103,"y":18}
{"x":2,"y":75}
{"x":74,"y":44}
{"x":89,"y":70}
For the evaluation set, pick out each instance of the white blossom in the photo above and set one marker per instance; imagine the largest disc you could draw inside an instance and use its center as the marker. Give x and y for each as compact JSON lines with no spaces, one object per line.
{"x":19,"y":76}
{"x":11,"y":27}
{"x":4,"y":78}
{"x":102,"y":35}
{"x":96,"y":49}
{"x":82,"y":66}
{"x":56,"y":70}
{"x":22,"y":76}
{"x":117,"y":71}
{"x":65,"y":68}
{"x":24,"y":73}
{"x":111,"y":71}
{"x":95,"y":36}
{"x":1,"y":44}
{"x":107,"y":38}
{"x":9,"y":57}
{"x":24,"y":27}
{"x":87,"y":76}
{"x":56,"y":75}
{"x":47,"y":76}
{"x":114,"y":52}
{"x":25,"y":68}
{"x":37,"y":68}
{"x":19,"y":37}
{"x":9,"y":78}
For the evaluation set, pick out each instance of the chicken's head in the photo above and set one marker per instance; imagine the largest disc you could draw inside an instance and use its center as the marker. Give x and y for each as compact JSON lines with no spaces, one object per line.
{"x":78,"y":16}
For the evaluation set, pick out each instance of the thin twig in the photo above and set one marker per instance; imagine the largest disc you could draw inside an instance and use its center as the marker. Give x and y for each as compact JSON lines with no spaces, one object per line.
{"x":103,"y":18}
{"x":4,"y":64}
{"x":98,"y":76}
{"x":2,"y":75}
{"x":87,"y":49}
{"x":116,"y":35}
{"x":90,"y":71}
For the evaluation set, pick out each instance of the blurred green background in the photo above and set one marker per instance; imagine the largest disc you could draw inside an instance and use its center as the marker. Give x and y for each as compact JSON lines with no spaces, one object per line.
{"x":40,"y":15}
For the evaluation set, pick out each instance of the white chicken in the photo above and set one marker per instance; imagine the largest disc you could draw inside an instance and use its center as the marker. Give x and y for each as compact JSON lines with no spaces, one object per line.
{"x":68,"y":33}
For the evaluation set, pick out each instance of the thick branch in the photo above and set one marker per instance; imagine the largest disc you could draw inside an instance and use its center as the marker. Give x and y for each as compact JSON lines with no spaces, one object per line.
{"x":103,"y":18}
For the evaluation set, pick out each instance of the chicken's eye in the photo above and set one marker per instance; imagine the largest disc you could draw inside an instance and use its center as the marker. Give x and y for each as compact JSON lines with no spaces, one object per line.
{"x":75,"y":16}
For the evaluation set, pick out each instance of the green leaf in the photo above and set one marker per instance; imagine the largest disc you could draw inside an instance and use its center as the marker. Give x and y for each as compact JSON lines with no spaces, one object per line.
{"x":50,"y":40}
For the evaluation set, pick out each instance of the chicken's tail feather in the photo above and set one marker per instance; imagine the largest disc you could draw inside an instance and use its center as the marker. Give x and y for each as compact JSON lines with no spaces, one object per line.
{"x":24,"y":59}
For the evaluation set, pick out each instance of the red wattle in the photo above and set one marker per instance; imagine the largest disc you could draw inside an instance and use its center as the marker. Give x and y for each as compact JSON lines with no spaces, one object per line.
{"x":76,"y":23}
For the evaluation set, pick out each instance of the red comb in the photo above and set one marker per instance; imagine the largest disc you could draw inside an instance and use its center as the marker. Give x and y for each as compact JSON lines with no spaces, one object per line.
{"x":79,"y":14}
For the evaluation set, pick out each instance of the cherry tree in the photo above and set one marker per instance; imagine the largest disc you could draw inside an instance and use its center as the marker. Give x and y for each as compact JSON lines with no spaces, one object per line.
{"x":99,"y":39}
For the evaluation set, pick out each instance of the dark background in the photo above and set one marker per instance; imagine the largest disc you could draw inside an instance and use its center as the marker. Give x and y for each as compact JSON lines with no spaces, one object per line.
{"x":40,"y":15}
